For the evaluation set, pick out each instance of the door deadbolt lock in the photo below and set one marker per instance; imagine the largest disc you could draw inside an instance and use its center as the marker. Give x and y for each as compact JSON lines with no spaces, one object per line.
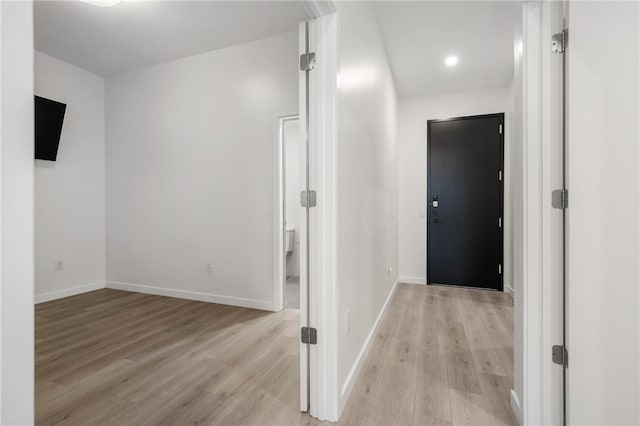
{"x":434,"y":201}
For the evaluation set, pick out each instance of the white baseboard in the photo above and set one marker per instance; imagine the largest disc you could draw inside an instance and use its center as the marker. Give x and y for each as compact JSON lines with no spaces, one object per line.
{"x":192,"y":295}
{"x":412,"y":280}
{"x":59,"y":294}
{"x":515,"y":406}
{"x":347,"y":386}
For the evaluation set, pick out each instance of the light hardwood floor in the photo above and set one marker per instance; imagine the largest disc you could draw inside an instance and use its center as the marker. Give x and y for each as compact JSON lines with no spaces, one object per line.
{"x":442,"y":356}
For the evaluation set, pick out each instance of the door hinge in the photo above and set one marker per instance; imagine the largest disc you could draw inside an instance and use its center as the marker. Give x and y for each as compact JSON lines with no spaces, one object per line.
{"x":500,"y":129}
{"x":500,"y":175}
{"x":500,"y":268}
{"x":499,"y":222}
{"x":308,"y":198}
{"x":309,"y":335}
{"x":307,"y":61}
{"x":560,"y":199}
{"x":560,"y":355}
{"x":559,"y":42}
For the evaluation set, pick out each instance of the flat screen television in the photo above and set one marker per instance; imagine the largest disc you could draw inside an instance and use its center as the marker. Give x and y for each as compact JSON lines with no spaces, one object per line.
{"x":49,"y":116}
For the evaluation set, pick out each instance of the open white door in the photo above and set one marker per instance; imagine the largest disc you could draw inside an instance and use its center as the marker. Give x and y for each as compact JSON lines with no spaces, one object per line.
{"x":306,"y":203}
{"x":319,"y":389}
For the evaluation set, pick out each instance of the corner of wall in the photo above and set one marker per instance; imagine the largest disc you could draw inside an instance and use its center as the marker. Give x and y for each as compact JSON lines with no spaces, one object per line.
{"x":67,"y":292}
{"x":405,"y":279}
{"x":193,"y":295}
{"x":70,"y":195}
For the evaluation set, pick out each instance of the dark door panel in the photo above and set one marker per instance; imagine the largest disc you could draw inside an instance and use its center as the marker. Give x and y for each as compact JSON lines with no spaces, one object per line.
{"x":464,"y":236}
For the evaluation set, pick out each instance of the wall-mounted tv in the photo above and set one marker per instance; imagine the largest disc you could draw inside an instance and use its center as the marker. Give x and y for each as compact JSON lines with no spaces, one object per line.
{"x":49,"y":116}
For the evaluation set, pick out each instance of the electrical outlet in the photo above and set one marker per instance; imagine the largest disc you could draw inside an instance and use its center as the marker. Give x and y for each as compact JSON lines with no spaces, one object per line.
{"x":59,"y":265}
{"x":347,"y":321}
{"x":390,"y":270}
{"x":420,"y":213}
{"x":209,"y":267}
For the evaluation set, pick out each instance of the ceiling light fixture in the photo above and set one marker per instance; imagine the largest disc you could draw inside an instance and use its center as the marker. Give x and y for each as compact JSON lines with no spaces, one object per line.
{"x":103,"y":3}
{"x":451,"y":61}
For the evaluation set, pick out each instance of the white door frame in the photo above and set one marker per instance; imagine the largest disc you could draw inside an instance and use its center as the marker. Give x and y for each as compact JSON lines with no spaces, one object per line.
{"x":540,"y":401}
{"x":323,"y":356}
{"x":553,"y":21}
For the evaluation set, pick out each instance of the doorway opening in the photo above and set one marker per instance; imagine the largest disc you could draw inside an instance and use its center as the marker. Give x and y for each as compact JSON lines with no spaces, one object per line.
{"x":465,"y":157}
{"x":291,"y":169}
{"x":181,"y":281}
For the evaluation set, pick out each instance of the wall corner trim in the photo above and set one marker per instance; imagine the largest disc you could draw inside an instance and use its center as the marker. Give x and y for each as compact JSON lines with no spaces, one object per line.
{"x":412,"y":280}
{"x":67,"y":292}
{"x":350,"y":381}
{"x":192,"y":295}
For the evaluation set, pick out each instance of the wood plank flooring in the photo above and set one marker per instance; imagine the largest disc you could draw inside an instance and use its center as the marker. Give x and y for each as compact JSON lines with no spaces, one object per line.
{"x":442,"y":356}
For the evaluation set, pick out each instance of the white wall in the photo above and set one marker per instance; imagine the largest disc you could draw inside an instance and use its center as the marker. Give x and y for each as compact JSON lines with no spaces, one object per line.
{"x":367,"y":189}
{"x":413,"y":114}
{"x":191,"y":165}
{"x":16,"y":213}
{"x":70,"y":192}
{"x":292,"y":191}
{"x":604,"y":250}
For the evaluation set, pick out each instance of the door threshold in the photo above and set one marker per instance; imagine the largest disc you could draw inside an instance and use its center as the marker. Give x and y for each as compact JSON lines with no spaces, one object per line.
{"x":462,"y":286}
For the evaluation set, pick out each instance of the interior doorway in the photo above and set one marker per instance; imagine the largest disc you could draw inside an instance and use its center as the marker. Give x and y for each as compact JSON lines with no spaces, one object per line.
{"x":213,"y":140}
{"x":291,"y":172}
{"x":465,"y":201}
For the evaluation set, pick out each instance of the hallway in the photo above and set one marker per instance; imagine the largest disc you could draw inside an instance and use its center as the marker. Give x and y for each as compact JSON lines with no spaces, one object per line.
{"x":442,"y":355}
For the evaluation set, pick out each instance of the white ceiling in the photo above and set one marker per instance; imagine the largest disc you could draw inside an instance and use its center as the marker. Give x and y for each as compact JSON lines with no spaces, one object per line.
{"x":136,"y":34}
{"x":418,"y":36}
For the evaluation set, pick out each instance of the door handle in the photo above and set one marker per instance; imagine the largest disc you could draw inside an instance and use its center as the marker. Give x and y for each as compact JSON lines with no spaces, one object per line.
{"x":434,"y":201}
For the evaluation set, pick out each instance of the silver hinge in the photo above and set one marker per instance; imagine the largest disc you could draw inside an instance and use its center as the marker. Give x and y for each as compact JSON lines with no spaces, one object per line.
{"x":309,"y":335}
{"x":560,"y":199}
{"x":308,"y":198}
{"x":500,"y":129}
{"x":500,"y":175}
{"x":499,"y":222}
{"x":559,"y":42}
{"x":560,"y":355}
{"x":500,"y":268}
{"x":307,"y":61}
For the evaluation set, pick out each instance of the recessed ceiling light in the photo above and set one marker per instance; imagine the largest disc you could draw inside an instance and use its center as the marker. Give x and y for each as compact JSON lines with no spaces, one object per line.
{"x":103,"y":3}
{"x":451,"y":61}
